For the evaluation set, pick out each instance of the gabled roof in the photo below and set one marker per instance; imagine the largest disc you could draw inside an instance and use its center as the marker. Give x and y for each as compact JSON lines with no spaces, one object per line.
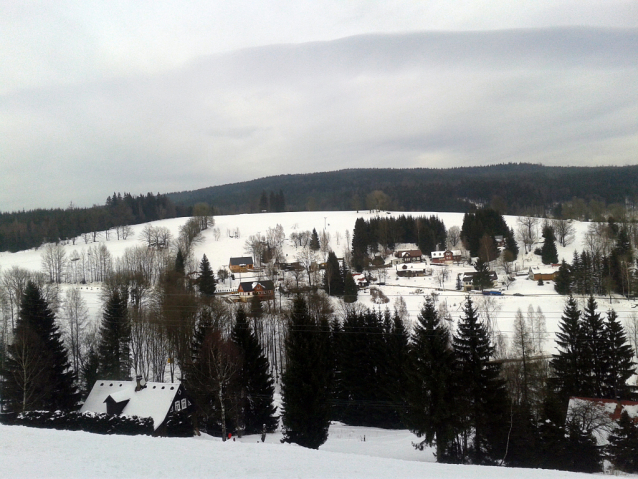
{"x":248,"y":286}
{"x":240,"y":261}
{"x":412,"y":253}
{"x":154,"y":400}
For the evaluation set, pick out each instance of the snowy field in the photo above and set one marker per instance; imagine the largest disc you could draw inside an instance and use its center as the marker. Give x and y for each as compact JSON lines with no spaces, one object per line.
{"x":28,"y":452}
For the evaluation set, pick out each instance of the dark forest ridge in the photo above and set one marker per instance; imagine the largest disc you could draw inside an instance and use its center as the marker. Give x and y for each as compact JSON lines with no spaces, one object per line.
{"x":516,"y":188}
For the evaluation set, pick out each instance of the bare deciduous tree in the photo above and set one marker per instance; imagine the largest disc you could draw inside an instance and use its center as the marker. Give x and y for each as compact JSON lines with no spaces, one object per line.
{"x":453,"y":236}
{"x":564,"y":231}
{"x":54,"y":262}
{"x":76,"y":315}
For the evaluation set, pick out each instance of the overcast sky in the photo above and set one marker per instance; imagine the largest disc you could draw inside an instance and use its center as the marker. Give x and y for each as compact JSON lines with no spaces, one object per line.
{"x":164,"y":96}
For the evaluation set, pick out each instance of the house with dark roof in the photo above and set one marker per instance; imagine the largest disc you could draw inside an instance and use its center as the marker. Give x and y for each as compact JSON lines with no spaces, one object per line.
{"x":467,"y":279}
{"x":137,"y":398}
{"x":409,"y":256}
{"x":241,"y":265}
{"x":263,"y":289}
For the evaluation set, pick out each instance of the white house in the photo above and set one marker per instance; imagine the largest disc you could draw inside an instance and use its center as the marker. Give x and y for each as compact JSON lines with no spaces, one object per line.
{"x":136,"y":398}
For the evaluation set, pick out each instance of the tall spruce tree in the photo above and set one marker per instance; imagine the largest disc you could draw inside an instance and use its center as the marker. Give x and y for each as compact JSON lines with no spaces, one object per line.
{"x":563,"y":281}
{"x":367,"y":397}
{"x":595,"y":351}
{"x":481,"y":391}
{"x":314,"y":241}
{"x":481,"y":278}
{"x":549,"y":254}
{"x":37,"y":372}
{"x":431,"y":392}
{"x":619,"y":365}
{"x":115,"y":337}
{"x":332,"y":279}
{"x":306,"y":380}
{"x":350,"y":291}
{"x":206,"y":280}
{"x":255,"y":382}
{"x":567,"y":366}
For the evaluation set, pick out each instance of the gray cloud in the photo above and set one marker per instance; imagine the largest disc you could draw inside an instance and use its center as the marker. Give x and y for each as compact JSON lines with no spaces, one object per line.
{"x":436,"y":99}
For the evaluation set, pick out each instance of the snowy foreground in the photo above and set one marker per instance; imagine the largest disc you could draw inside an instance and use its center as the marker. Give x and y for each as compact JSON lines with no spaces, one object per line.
{"x":29,"y":452}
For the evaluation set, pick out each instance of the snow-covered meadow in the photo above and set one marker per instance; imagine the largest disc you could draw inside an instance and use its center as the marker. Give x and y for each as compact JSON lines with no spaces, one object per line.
{"x":28,"y":452}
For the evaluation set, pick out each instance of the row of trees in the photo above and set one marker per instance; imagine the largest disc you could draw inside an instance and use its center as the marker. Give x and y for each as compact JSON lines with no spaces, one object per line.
{"x":595,"y":271}
{"x":368,"y":235}
{"x":479,"y":231}
{"x":28,"y":229}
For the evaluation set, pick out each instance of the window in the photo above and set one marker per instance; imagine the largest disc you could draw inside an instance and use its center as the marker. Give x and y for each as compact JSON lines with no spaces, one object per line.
{"x":183,"y":403}
{"x":177,"y":406}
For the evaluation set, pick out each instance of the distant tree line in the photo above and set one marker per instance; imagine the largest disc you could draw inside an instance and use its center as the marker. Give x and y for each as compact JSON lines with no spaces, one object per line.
{"x":273,"y":203}
{"x":28,"y":229}
{"x":519,"y":189}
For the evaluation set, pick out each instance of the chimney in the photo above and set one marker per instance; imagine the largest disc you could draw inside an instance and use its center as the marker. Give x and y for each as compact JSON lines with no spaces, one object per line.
{"x":141,"y":384}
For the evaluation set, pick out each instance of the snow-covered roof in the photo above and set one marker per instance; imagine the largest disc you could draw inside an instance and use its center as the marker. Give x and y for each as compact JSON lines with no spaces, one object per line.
{"x":248,"y":286}
{"x":154,"y":400}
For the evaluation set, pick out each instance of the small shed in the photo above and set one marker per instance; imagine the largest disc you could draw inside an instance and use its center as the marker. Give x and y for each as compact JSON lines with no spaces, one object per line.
{"x":242,"y":264}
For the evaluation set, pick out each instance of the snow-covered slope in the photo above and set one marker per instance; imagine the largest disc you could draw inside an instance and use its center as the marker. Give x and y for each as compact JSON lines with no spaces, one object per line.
{"x":28,"y":452}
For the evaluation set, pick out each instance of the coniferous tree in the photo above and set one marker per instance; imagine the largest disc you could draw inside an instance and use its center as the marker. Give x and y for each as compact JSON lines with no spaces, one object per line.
{"x":255,"y":382}
{"x":568,"y":372}
{"x":431,"y":383}
{"x":623,"y":445}
{"x":360,"y":239}
{"x":481,"y":278}
{"x":115,"y":337}
{"x":394,"y":368}
{"x":549,"y":254}
{"x":350,"y":290}
{"x":315,"y":245}
{"x":619,"y":365}
{"x":511,"y":245}
{"x":37,"y":372}
{"x":595,"y":350}
{"x":306,"y":381}
{"x":206,"y":280}
{"x":332,"y":279}
{"x":563,"y":281}
{"x":480,"y":390}
{"x":180,"y":266}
